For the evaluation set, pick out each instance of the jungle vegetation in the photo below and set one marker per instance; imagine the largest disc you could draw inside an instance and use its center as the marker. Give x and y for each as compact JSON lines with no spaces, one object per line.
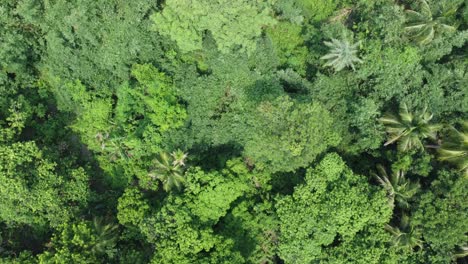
{"x":234,"y":131}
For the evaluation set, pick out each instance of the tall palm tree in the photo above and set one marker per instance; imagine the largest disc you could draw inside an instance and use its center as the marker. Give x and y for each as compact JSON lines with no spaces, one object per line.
{"x":422,"y":26}
{"x":170,"y":173}
{"x":399,"y":189}
{"x":405,"y":237}
{"x":342,"y":54}
{"x":454,"y":148}
{"x":409,"y":128}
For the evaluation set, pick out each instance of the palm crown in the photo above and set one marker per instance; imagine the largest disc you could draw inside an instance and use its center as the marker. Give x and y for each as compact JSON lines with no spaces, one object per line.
{"x":422,"y":26}
{"x":342,"y":54}
{"x":179,"y":157}
{"x":106,"y":236}
{"x":454,"y":148}
{"x":405,"y":237}
{"x":409,"y":128}
{"x":399,"y":189}
{"x":168,"y":169}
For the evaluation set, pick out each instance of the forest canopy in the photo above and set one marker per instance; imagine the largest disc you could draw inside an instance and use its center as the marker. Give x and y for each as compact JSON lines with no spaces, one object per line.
{"x":241,"y":131}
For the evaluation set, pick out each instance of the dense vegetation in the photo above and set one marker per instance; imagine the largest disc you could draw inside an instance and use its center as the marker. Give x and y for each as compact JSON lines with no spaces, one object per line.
{"x":234,"y":131}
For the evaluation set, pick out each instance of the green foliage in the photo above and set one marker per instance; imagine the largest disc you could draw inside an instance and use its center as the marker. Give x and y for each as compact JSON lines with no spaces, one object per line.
{"x":333,"y":204}
{"x":255,"y":231}
{"x":132,"y":207}
{"x":233,"y":24}
{"x":416,"y":162}
{"x":94,"y":96}
{"x":289,"y":45}
{"x":317,"y":10}
{"x":390,"y":72}
{"x":365,"y":112}
{"x":154,"y":97}
{"x":33,"y":192}
{"x":441,"y":215}
{"x":409,"y":129}
{"x":229,"y":95}
{"x":289,"y":135}
{"x":128,"y":131}
{"x":443,"y":90}
{"x":381,"y":21}
{"x":186,"y":227}
{"x":445,"y":46}
{"x":23,"y":258}
{"x":357,"y":113}
{"x":16,"y":116}
{"x":182,"y":229}
{"x":96,"y":42}
{"x":18,"y":37}
{"x":289,"y":10}
{"x":342,"y":54}
{"x":82,"y":242}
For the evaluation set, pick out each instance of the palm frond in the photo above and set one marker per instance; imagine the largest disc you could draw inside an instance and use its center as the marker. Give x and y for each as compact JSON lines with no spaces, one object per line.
{"x":409,"y":129}
{"x":342,"y":54}
{"x":423,"y":26}
{"x":454,"y":148}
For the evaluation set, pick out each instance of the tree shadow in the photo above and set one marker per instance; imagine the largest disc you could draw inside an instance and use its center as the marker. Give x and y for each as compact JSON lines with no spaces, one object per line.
{"x":263,"y":90}
{"x":214,"y":157}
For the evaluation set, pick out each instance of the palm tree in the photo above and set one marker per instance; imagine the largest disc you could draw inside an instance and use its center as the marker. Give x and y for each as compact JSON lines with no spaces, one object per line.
{"x":168,"y":172}
{"x":461,"y":252}
{"x":405,"y":237}
{"x":399,"y":189}
{"x":409,"y":128}
{"x":342,"y":54}
{"x":454,"y":148}
{"x":114,"y":147}
{"x":179,"y":157}
{"x":106,"y":236}
{"x":422,"y":26}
